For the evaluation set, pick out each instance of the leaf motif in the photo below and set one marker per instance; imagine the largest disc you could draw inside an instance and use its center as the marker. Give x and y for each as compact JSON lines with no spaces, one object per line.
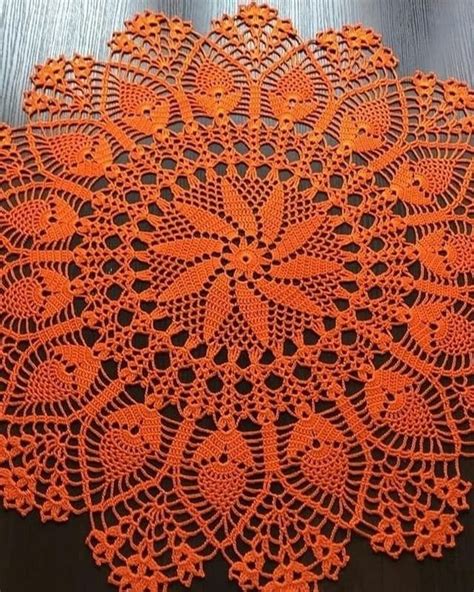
{"x":272,"y":213}
{"x":238,"y":209}
{"x":304,"y":266}
{"x":254,"y":310}
{"x":188,"y":248}
{"x":218,"y":305}
{"x":296,"y":236}
{"x":189,"y":282}
{"x":290,"y":296}
{"x":205,"y":221}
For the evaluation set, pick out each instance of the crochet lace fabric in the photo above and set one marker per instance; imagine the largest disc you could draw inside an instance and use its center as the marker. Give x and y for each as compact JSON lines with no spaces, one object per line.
{"x":235,"y":308}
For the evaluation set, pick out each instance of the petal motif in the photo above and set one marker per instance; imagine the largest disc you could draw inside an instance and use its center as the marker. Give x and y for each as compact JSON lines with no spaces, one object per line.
{"x":188,"y":248}
{"x":289,"y":296}
{"x":254,"y":310}
{"x":204,"y":221}
{"x":218,"y":305}
{"x":272,"y":214}
{"x":189,"y":282}
{"x":304,"y":266}
{"x":296,"y":236}
{"x":238,"y":209}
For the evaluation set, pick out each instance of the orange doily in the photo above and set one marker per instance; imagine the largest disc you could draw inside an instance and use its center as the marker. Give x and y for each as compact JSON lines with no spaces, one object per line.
{"x":235,"y":308}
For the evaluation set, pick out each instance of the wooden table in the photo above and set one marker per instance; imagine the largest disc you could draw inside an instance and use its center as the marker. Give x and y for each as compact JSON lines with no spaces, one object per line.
{"x":430,"y":35}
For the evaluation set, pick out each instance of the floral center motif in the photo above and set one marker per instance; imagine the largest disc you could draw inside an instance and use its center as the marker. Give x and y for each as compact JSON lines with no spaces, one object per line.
{"x":245,"y":258}
{"x":245,"y":255}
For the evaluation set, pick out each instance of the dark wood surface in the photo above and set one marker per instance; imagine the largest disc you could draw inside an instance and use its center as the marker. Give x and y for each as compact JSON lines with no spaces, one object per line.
{"x":430,"y":35}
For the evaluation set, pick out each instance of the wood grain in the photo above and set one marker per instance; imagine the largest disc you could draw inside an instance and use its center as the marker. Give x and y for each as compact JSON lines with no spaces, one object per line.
{"x":430,"y":35}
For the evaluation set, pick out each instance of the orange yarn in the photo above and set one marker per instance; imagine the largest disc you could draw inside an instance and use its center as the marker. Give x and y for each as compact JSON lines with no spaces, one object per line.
{"x":235,"y":307}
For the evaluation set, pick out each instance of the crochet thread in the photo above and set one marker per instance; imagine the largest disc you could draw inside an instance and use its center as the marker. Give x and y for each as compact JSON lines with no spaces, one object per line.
{"x":235,"y":301}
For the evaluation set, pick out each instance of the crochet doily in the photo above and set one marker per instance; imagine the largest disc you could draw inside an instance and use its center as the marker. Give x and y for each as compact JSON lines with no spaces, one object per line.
{"x":235,"y":308}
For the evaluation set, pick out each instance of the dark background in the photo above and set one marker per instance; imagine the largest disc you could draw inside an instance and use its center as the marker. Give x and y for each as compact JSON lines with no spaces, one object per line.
{"x":430,"y":35}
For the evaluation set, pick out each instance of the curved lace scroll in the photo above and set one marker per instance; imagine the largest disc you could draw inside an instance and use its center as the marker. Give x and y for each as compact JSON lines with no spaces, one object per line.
{"x":235,"y":301}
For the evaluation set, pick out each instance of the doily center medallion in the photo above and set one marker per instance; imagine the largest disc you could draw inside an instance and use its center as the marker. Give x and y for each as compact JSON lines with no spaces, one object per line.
{"x":235,"y":306}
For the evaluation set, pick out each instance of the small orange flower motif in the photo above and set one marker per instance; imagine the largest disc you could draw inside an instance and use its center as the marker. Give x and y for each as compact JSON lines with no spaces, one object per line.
{"x":178,"y":31}
{"x":82,"y":66}
{"x":57,"y":506}
{"x":10,"y":447}
{"x":226,"y":26}
{"x":295,"y":577}
{"x":454,"y":491}
{"x":106,"y":544}
{"x":383,"y":58}
{"x":256,"y":16}
{"x":281,"y":31}
{"x":247,"y":261}
{"x":424,"y":83}
{"x":5,"y":136}
{"x":146,"y":24}
{"x":247,"y":571}
{"x":358,"y":37}
{"x":434,"y":531}
{"x":458,"y":95}
{"x":17,"y":489}
{"x":122,"y":42}
{"x":51,"y":75}
{"x":332,"y":556}
{"x":140,"y":574}
{"x":327,"y":39}
{"x":35,"y":101}
{"x":389,"y":538}
{"x":188,"y":563}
